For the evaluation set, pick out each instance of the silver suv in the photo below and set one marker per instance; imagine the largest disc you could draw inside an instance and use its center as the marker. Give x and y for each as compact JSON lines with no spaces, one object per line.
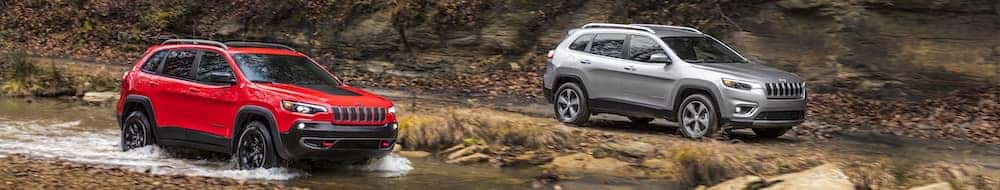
{"x":677,"y":73}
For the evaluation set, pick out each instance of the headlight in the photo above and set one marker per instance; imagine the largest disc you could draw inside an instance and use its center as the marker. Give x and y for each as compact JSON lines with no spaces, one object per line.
{"x":299,"y":107}
{"x":392,"y":109}
{"x":742,"y":85}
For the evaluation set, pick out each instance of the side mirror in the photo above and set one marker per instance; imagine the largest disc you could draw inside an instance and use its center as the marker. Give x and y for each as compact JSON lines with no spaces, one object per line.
{"x":659,"y":58}
{"x":221,"y":77}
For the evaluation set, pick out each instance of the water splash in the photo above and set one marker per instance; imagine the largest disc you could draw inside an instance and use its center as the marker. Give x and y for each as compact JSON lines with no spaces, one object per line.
{"x":391,"y":165}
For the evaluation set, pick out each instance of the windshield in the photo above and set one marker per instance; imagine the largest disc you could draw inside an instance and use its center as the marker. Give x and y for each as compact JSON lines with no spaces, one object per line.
{"x":701,"y":50}
{"x":284,"y":69}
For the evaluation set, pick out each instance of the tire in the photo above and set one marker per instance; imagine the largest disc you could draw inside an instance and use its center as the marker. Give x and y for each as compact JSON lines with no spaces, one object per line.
{"x":570,"y":104}
{"x":770,"y":133}
{"x":640,"y":120}
{"x":697,"y":116}
{"x":255,"y":148}
{"x":136,"y":131}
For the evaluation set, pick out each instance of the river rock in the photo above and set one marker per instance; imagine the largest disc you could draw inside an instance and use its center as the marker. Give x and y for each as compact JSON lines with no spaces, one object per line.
{"x":826,"y":176}
{"x":470,"y":159}
{"x":529,"y":158}
{"x":585,"y":163}
{"x":414,"y":154}
{"x":98,"y":97}
{"x":935,"y":186}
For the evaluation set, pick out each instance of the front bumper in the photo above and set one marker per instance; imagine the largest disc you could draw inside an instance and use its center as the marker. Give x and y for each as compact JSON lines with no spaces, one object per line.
{"x":766,"y":113}
{"x":308,"y":140}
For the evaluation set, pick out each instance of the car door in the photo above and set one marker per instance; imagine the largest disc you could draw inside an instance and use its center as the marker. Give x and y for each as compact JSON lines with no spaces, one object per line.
{"x":648,"y":83}
{"x":216,"y":101}
{"x":604,"y":83}
{"x":147,"y":83}
{"x":174,"y":110}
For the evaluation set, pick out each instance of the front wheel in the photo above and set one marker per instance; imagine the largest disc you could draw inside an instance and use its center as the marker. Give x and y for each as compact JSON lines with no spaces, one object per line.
{"x":698,"y":117}
{"x":135,"y":131}
{"x":770,"y":133}
{"x":571,"y":104}
{"x":255,"y":148}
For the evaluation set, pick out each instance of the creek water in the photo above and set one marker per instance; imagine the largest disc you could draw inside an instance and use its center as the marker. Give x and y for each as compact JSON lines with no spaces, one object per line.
{"x":66,"y":130}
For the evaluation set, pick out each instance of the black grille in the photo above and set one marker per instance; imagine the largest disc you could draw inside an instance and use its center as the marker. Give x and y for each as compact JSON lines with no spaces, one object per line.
{"x":785,"y":90}
{"x":780,"y":115}
{"x":358,"y":114}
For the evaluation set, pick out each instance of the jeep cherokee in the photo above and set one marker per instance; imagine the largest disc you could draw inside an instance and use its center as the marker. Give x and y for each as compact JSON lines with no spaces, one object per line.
{"x":262,"y":103}
{"x":645,"y":71}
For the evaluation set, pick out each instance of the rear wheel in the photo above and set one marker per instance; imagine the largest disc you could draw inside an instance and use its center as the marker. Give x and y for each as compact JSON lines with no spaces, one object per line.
{"x":571,"y":104}
{"x":698,"y":117}
{"x":640,"y":120}
{"x":135,"y":131}
{"x":255,"y":148}
{"x":770,"y":133}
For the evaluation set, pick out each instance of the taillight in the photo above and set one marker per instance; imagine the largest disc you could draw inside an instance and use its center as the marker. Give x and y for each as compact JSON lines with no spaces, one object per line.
{"x":551,"y":54}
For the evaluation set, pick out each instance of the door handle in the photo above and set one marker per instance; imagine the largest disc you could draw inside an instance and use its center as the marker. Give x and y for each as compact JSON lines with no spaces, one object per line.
{"x":194,"y":90}
{"x":630,"y":68}
{"x":153,"y":84}
{"x":584,"y":61}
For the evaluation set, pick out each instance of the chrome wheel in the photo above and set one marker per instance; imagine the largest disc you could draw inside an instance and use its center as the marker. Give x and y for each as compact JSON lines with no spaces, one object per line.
{"x":696,"y":119}
{"x":134,"y":133}
{"x":568,"y":104}
{"x":252,"y":151}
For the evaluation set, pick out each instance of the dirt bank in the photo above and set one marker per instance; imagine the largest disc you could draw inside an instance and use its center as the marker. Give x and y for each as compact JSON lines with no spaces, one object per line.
{"x":20,"y":172}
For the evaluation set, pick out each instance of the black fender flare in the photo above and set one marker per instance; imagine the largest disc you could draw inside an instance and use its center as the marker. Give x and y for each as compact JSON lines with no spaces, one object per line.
{"x":272,"y":128}
{"x":147,"y":107}
{"x":572,"y":76}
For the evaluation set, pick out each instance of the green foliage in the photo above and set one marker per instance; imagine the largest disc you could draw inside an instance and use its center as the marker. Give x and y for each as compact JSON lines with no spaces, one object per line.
{"x":159,"y":18}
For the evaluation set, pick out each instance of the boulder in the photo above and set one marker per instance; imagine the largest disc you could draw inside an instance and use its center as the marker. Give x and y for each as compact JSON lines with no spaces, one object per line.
{"x":469,"y":150}
{"x":414,"y":154}
{"x":935,"y":186}
{"x":529,"y":158}
{"x":99,"y":97}
{"x":826,"y":176}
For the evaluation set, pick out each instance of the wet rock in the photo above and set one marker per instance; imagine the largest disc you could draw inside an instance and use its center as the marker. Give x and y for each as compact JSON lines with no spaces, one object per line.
{"x":935,"y":186}
{"x":466,"y":151}
{"x":99,"y":97}
{"x":584,"y":163}
{"x":470,"y":159}
{"x":414,"y":154}
{"x":827,"y":176}
{"x":630,"y":148}
{"x":529,"y":158}
{"x":799,"y":4}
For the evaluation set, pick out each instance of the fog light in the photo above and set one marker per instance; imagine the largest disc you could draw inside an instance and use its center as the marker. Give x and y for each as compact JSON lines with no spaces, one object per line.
{"x":302,"y":126}
{"x":744,"y":110}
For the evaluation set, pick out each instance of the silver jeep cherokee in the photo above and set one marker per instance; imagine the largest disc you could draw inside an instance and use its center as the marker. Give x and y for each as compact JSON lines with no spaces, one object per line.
{"x":647,"y":71}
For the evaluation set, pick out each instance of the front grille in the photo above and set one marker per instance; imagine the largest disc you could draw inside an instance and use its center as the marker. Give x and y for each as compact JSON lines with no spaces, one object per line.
{"x":780,"y":115}
{"x":784,"y":90}
{"x":358,"y":114}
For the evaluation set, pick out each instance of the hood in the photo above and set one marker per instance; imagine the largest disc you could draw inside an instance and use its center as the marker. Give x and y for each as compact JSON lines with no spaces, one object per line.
{"x":331,"y":95}
{"x":752,"y":71}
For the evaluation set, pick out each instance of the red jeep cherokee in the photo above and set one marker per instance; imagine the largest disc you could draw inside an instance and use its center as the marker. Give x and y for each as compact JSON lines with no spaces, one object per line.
{"x":263,"y":103}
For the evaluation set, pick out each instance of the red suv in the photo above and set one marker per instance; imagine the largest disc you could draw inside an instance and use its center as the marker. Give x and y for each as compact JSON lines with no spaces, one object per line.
{"x":263,"y":103}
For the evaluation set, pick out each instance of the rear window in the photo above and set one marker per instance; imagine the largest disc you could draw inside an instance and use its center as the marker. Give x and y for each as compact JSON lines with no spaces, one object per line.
{"x":153,"y":64}
{"x":611,"y":45}
{"x":179,"y":64}
{"x":581,"y":42}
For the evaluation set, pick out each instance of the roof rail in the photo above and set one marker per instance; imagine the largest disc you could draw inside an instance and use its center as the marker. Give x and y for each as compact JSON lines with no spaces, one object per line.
{"x":259,"y":45}
{"x":689,"y":29}
{"x":620,"y":26}
{"x":195,"y":41}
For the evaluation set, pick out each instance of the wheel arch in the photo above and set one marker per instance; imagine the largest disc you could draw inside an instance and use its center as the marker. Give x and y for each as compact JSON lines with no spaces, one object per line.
{"x":565,"y":78}
{"x":690,"y":87}
{"x":139,"y":103}
{"x":250,"y":113}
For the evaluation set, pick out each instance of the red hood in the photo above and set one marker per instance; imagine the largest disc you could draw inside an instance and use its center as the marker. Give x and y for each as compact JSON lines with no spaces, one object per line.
{"x":325,"y":94}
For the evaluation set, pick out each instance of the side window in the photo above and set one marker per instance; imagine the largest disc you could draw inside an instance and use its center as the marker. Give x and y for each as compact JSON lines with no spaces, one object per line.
{"x":212,"y":62}
{"x":581,"y":43}
{"x":179,"y":64}
{"x":641,"y":47}
{"x":153,"y":63}
{"x":611,"y":45}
